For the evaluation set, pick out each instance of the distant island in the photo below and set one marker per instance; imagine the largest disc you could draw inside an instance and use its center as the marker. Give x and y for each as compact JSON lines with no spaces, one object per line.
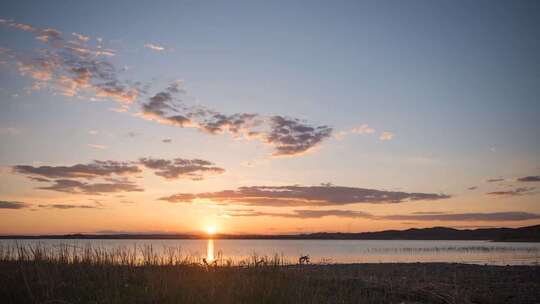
{"x":523,"y":234}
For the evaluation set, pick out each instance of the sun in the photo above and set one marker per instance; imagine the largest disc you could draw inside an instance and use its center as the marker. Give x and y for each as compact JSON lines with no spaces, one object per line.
{"x":211,"y":230}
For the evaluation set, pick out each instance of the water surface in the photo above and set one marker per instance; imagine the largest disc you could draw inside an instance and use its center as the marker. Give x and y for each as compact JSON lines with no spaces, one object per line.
{"x":327,"y":251}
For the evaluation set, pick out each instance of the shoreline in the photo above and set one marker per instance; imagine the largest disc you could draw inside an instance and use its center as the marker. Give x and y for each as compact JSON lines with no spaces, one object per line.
{"x":521,"y":234}
{"x":203,"y":238}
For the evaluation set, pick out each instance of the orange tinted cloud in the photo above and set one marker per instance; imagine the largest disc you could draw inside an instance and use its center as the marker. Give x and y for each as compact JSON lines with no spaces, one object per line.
{"x":71,"y":68}
{"x":386,"y":136}
{"x":286,"y":196}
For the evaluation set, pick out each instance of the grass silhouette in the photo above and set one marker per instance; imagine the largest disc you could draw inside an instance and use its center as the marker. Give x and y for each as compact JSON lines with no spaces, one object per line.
{"x":71,"y":274}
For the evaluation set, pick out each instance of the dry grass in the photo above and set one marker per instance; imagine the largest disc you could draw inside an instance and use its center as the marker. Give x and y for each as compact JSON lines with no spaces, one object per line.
{"x":70,"y":274}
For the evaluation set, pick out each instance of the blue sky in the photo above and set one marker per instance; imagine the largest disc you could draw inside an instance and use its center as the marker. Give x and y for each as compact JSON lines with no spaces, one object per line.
{"x":457,"y":84}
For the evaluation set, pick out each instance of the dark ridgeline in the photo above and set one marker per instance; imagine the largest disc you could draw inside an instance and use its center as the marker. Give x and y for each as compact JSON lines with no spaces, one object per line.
{"x":530,"y":234}
{"x":523,"y":234}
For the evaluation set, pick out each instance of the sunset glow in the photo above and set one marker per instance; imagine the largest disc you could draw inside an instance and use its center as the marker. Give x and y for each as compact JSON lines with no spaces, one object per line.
{"x":266,"y":120}
{"x":211,"y":230}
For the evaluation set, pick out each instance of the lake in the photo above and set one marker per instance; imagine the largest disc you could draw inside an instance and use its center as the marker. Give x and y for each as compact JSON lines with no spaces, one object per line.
{"x":326,"y":251}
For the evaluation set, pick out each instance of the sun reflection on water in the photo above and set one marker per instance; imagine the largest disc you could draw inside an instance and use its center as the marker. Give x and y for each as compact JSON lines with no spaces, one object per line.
{"x":210,"y":250}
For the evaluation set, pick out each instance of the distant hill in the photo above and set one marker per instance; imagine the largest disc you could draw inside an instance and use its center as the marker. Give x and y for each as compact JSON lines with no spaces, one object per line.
{"x":530,"y":234}
{"x":435,"y":233}
{"x":523,"y":234}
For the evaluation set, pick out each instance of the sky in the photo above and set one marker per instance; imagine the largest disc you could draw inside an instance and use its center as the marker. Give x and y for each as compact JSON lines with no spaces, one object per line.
{"x":268,"y":117}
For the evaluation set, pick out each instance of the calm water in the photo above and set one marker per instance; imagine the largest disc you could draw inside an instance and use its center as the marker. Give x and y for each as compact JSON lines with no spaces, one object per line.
{"x":331,"y":251}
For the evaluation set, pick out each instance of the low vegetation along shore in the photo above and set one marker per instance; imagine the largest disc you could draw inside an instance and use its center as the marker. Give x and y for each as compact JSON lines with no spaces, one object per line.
{"x":93,"y":275}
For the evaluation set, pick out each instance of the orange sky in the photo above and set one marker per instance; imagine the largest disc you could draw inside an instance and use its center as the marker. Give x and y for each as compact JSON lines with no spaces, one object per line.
{"x":260,"y":118}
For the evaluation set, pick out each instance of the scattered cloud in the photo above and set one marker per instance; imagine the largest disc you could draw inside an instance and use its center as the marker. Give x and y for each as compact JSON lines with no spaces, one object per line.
{"x":67,"y":206}
{"x":363,"y":129}
{"x":81,"y":37}
{"x":21,"y":205}
{"x":154,"y":47}
{"x":495,"y":216}
{"x":429,"y":212}
{"x":38,"y":179}
{"x":70,"y":67}
{"x":12,"y":205}
{"x":76,"y":67}
{"x":529,"y":179}
{"x":96,"y":146}
{"x":286,"y":196}
{"x":113,"y":175}
{"x":291,"y":136}
{"x":194,"y":169}
{"x":303,"y":214}
{"x":386,"y":136}
{"x":78,"y":187}
{"x":419,"y":216}
{"x":288,"y":136}
{"x":93,"y":132}
{"x":86,"y":171}
{"x":514,"y":192}
{"x":495,"y":180}
{"x":20,"y":26}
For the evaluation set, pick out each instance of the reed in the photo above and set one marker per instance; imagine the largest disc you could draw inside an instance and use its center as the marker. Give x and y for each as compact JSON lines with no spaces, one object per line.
{"x":144,"y":274}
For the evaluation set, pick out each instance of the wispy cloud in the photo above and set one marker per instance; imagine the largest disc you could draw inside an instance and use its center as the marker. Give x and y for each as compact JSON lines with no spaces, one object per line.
{"x":12,"y":205}
{"x":529,"y":179}
{"x":286,"y":196}
{"x":67,"y":206}
{"x":494,"y":216}
{"x":363,"y":129}
{"x":386,"y":136}
{"x":360,"y":130}
{"x":429,"y":216}
{"x":20,"y":26}
{"x":495,"y":180}
{"x":22,"y":205}
{"x":514,"y":192}
{"x":97,"y":146}
{"x":154,"y":47}
{"x":81,"y":37}
{"x":302,"y":214}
